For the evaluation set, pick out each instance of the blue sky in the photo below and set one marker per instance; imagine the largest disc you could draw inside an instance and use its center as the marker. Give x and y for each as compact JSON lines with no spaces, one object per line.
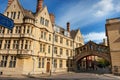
{"x":88,"y":15}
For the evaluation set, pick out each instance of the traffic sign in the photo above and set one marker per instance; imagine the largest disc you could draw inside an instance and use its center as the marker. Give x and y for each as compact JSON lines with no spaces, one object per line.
{"x":6,"y":22}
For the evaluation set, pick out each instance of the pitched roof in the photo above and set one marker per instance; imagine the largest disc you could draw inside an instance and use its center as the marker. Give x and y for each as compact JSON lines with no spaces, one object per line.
{"x":26,"y":13}
{"x":73,"y":33}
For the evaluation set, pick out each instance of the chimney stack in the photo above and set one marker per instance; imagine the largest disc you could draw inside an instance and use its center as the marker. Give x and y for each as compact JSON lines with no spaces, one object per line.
{"x":52,"y":18}
{"x":39,"y":5}
{"x":68,"y":26}
{"x":9,"y":2}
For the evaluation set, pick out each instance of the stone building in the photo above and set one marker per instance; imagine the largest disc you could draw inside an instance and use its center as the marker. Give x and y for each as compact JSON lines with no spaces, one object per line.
{"x":36,"y":44}
{"x":113,"y":35}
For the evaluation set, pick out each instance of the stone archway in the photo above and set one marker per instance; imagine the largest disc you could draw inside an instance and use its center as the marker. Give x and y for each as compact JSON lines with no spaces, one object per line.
{"x":91,"y":49}
{"x":106,"y":56}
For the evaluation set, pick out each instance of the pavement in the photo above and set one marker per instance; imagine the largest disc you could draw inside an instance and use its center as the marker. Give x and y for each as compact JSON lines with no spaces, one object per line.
{"x":66,"y":76}
{"x":111,"y":75}
{"x":33,"y":75}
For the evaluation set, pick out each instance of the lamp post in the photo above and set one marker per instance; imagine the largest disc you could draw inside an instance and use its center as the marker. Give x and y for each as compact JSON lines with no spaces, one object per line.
{"x":52,"y":54}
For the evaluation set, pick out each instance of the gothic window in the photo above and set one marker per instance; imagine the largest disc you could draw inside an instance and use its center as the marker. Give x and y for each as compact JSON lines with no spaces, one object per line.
{"x":61,"y":40}
{"x":7,"y":14}
{"x":0,"y":44}
{"x":24,"y":28}
{"x":48,"y":49}
{"x":40,"y":47}
{"x":49,"y":37}
{"x":61,"y":64}
{"x":67,"y":42}
{"x":4,"y":61}
{"x":61,"y":51}
{"x":44,"y":48}
{"x":56,"y":38}
{"x":9,"y":31}
{"x":55,"y":50}
{"x":55,"y":63}
{"x":22,"y":42}
{"x":44,"y":35}
{"x":46,"y":22}
{"x":2,"y":29}
{"x":43,"y":60}
{"x":15,"y":44}
{"x":26,"y":44}
{"x":30,"y":45}
{"x":18,"y":15}
{"x":67,"y":52}
{"x":11,"y":14}
{"x":7,"y":44}
{"x":28,"y":29}
{"x":42,"y":20}
{"x":39,"y":63}
{"x":14,"y":15}
{"x":18,"y":28}
{"x":12,"y":62}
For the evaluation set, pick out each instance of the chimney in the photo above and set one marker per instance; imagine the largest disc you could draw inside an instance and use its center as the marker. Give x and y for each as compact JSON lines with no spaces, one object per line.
{"x":52,"y":18}
{"x":9,"y":2}
{"x":39,"y":5}
{"x":68,"y":26}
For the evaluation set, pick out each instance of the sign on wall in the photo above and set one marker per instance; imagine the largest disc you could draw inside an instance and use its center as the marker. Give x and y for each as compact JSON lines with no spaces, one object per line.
{"x":6,"y":22}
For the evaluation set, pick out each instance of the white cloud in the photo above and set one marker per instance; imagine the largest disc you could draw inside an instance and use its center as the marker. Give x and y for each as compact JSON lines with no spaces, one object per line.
{"x":94,"y":36}
{"x":118,"y":7}
{"x":106,"y":7}
{"x":75,"y":14}
{"x":82,"y":14}
{"x":103,"y":7}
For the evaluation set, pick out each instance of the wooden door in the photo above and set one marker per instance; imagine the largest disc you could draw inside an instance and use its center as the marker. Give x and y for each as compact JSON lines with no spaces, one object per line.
{"x":48,"y":67}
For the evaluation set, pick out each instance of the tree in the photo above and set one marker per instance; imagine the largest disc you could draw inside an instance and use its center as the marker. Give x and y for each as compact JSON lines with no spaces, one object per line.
{"x":102,"y":63}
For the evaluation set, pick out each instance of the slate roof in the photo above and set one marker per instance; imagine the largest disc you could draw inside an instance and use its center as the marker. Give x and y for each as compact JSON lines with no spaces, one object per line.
{"x":73,"y":33}
{"x":27,"y":13}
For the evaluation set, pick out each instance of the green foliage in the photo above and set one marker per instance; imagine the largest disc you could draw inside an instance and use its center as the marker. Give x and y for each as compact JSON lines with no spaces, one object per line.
{"x":103,"y":63}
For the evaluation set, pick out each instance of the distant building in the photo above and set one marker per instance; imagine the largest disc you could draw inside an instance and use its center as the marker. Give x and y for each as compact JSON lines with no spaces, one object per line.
{"x":36,"y":44}
{"x":113,"y":35}
{"x":104,"y":42}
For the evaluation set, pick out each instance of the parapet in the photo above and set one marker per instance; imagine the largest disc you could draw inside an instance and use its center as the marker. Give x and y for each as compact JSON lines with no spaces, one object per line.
{"x":113,"y":20}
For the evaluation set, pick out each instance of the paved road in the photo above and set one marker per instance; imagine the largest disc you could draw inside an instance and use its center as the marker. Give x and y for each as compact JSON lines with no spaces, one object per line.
{"x":70,"y":76}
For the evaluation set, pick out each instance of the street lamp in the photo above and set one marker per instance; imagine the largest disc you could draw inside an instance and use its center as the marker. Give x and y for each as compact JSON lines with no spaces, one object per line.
{"x":52,"y":53}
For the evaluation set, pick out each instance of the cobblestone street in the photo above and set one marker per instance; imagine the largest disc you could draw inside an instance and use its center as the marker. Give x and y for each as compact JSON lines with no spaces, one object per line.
{"x":65,"y":76}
